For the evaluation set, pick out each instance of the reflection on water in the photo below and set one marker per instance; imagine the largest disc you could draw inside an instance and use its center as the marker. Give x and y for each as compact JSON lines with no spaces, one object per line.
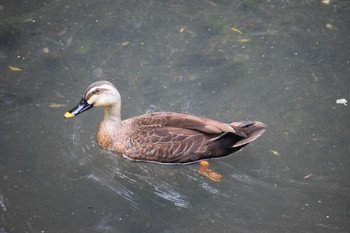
{"x":286,"y":65}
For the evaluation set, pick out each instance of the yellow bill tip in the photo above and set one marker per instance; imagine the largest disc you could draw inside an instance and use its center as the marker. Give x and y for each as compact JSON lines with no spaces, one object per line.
{"x":68,"y":115}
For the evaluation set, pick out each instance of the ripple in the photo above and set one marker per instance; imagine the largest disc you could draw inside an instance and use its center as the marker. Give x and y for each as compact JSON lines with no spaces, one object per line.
{"x":115,"y":187}
{"x":167,"y":193}
{"x":2,"y":203}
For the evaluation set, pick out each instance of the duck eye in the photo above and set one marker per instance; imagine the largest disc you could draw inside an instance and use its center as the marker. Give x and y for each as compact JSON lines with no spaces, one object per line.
{"x":96,"y":91}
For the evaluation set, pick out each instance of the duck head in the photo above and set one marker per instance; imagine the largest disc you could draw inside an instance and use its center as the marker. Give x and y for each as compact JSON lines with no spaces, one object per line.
{"x":101,"y":93}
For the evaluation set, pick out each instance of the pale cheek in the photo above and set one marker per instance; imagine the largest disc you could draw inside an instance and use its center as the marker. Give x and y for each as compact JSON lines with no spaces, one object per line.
{"x":95,"y":101}
{"x":92,"y":100}
{"x":100,"y":102}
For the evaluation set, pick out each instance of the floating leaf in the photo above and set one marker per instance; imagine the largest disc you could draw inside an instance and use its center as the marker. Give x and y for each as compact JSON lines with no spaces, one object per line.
{"x":13,"y":68}
{"x":236,"y":30}
{"x":330,"y":26}
{"x":244,"y":40}
{"x":45,"y":50}
{"x":212,"y":3}
{"x":53,"y":105}
{"x":274,"y":152}
{"x":182,"y":29}
{"x":126,"y":43}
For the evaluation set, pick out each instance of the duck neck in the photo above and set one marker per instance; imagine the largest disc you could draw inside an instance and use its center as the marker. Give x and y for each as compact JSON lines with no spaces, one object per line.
{"x":111,"y":117}
{"x":109,"y":127}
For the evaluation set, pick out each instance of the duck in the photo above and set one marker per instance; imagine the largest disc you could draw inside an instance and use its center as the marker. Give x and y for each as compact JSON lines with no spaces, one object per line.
{"x":163,"y":137}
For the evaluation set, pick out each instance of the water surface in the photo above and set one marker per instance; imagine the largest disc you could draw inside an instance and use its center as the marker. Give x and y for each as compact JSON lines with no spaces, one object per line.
{"x":281,"y":62}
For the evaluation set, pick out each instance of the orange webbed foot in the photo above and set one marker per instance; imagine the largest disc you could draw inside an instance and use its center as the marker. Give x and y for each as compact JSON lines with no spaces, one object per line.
{"x":205,"y":171}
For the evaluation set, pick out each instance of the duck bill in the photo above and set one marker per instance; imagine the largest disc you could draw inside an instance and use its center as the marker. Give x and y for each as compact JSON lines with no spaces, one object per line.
{"x":81,"y":107}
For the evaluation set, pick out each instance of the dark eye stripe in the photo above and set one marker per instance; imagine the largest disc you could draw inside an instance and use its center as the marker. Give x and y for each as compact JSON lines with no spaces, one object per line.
{"x":93,"y":92}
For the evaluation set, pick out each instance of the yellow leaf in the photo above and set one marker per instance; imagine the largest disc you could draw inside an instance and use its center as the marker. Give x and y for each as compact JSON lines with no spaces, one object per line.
{"x":182,"y":29}
{"x":236,"y":30}
{"x":330,"y":26}
{"x":13,"y":68}
{"x":126,"y":43}
{"x":244,"y":40}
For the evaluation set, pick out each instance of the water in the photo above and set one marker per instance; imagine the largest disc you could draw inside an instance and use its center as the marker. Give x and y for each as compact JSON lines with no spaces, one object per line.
{"x":175,"y":56}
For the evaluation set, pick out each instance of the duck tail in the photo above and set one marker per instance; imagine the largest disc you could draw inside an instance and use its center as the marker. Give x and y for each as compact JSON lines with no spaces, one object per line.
{"x":252,"y":130}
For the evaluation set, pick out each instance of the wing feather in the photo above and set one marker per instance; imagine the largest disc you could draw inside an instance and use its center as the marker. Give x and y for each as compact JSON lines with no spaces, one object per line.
{"x":174,"y":137}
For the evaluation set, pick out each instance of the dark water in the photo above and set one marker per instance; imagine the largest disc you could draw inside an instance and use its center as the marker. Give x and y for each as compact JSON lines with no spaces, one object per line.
{"x":287,"y":68}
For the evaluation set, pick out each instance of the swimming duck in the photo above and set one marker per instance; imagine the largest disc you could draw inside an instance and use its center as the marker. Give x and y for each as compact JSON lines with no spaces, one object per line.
{"x":163,"y":137}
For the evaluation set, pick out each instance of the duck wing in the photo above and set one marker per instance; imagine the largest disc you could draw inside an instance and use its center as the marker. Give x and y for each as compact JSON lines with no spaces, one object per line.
{"x":186,"y":121}
{"x":181,"y":138}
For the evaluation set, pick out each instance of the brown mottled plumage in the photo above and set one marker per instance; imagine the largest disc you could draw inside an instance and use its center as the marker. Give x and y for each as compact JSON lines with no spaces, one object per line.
{"x":163,"y":137}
